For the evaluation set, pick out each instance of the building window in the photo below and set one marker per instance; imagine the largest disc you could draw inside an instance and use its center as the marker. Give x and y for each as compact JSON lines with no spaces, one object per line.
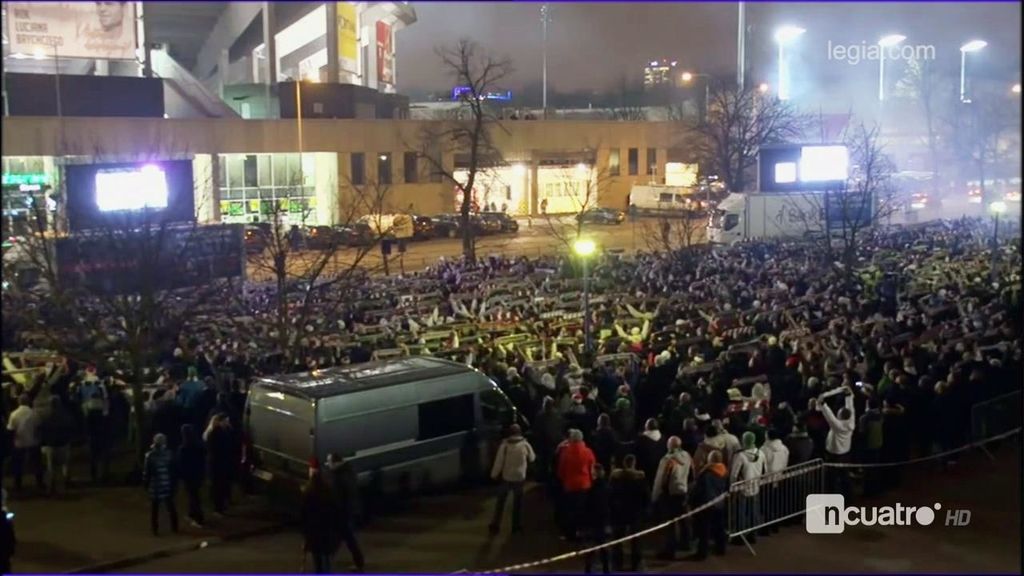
{"x":652,"y":161}
{"x":384,"y":168}
{"x":250,"y":171}
{"x":444,"y":417}
{"x":411,"y":167}
{"x":634,"y":161}
{"x":358,"y":168}
{"x":613,"y":162}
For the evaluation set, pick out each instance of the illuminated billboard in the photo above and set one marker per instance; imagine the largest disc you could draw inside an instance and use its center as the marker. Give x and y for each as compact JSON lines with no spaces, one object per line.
{"x":348,"y":38}
{"x":104,"y":195}
{"x":95,"y":30}
{"x":824,"y":164}
{"x":385,"y":54}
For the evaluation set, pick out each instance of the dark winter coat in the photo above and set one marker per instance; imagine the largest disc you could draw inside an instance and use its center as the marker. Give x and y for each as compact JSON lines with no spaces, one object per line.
{"x":630,"y":496}
{"x":159,"y":474}
{"x":192,"y":462}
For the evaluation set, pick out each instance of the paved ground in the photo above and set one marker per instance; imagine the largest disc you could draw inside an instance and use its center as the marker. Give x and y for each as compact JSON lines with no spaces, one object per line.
{"x":447,"y":532}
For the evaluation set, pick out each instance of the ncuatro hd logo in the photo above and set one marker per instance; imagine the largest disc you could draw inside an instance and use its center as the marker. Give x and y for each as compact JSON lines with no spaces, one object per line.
{"x":829,"y":514}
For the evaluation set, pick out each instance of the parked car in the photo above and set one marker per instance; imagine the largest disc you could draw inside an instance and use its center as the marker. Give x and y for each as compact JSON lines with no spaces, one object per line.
{"x":324,"y":237}
{"x":601,"y":216}
{"x":257,"y":236}
{"x":423,"y":228}
{"x":451,"y":225}
{"x":499,"y":222}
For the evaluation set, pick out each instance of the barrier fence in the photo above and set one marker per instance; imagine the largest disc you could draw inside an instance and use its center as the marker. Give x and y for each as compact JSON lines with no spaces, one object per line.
{"x":773,"y":498}
{"x":996,"y":416}
{"x":777,"y":498}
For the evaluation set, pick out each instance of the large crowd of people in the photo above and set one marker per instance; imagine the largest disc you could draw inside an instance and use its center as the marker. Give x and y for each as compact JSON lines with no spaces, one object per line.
{"x":709,"y":367}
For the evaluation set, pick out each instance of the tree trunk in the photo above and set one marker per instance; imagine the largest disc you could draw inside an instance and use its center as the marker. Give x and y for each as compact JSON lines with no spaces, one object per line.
{"x":142,"y":435}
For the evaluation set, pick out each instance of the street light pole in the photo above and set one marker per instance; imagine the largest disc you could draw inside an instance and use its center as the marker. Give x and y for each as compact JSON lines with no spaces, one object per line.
{"x":972,"y":46}
{"x":783,"y":36}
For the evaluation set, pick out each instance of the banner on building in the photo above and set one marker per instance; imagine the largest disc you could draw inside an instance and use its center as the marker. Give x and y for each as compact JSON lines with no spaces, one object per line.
{"x":385,"y":54}
{"x":95,"y":30}
{"x":348,"y":38}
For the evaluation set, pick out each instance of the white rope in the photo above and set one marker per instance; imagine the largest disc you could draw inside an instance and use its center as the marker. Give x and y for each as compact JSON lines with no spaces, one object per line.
{"x":923,"y":458}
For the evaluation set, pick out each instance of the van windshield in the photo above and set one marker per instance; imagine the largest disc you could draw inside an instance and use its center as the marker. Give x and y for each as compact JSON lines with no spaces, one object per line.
{"x":495,"y":408}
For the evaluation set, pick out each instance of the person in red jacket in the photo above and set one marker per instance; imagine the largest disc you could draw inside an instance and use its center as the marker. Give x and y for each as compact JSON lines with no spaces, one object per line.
{"x":575,"y":466}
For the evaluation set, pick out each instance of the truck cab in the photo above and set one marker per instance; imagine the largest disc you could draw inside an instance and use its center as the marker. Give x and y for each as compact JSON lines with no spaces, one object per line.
{"x":725,"y":221}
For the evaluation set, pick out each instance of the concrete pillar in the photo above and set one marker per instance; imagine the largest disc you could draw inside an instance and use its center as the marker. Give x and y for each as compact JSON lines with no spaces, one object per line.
{"x":326,"y":190}
{"x":269,"y":25}
{"x":223,"y":63}
{"x":534,"y":189}
{"x":103,"y":68}
{"x":205,"y":172}
{"x":333,"y":66}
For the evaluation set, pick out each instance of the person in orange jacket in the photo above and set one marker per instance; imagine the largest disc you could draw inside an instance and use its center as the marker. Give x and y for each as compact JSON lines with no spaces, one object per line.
{"x":575,"y":468}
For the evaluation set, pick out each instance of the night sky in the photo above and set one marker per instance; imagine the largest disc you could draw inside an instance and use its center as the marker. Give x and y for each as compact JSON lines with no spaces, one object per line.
{"x":593,"y":45}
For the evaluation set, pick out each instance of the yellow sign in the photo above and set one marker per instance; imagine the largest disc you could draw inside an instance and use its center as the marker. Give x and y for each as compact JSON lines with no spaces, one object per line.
{"x":348,"y":38}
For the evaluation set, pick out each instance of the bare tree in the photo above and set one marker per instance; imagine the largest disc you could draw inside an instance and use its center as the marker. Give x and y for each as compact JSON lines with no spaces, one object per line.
{"x":923,"y":83}
{"x":124,"y":291}
{"x":469,"y":130}
{"x":305,"y":274}
{"x":738,"y":123}
{"x":676,"y":234}
{"x":981,"y":134}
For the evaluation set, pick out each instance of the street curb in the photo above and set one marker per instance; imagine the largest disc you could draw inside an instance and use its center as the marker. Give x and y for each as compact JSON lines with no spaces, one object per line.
{"x":197,"y":544}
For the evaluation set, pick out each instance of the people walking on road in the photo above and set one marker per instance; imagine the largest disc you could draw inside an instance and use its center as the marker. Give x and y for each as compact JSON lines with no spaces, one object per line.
{"x":710,"y":523}
{"x":344,"y":486}
{"x":23,"y":423}
{"x":575,"y":468}
{"x":596,"y":518}
{"x":192,"y":470}
{"x":629,"y":499}
{"x":219,"y":452}
{"x":669,"y":495}
{"x":56,"y":431}
{"x":319,"y":520}
{"x":160,"y":479}
{"x":510,"y":465}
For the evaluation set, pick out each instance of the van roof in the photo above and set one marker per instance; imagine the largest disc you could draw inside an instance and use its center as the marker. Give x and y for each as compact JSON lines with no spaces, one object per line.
{"x":365,"y":376}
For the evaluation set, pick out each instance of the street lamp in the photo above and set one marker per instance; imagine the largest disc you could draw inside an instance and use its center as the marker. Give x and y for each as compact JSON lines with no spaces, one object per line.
{"x":689,"y":76}
{"x":784,"y":36}
{"x":998,"y":207}
{"x":763,"y":88}
{"x":972,"y":46}
{"x":885,"y":43}
{"x":585,"y":248}
{"x":1015,"y":89}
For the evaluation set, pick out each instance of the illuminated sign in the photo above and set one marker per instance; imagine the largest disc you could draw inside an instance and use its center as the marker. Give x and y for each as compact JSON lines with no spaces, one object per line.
{"x":785,"y":172}
{"x":18,"y":179}
{"x":824,"y":164}
{"x":145,"y":187}
{"x":460,"y":92}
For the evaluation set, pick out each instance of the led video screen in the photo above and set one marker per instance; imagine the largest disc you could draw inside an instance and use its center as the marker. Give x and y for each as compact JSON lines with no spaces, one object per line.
{"x":101,"y":195}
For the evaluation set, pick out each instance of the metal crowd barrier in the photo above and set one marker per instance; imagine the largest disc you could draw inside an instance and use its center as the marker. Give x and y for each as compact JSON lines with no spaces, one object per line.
{"x":995,"y":417}
{"x":773,"y":498}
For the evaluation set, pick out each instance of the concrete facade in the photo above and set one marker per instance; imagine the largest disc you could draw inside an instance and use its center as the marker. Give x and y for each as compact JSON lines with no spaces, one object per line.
{"x":534,"y":145}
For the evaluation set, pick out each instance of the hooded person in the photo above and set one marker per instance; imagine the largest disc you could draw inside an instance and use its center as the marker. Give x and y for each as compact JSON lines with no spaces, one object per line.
{"x":630,"y":497}
{"x":623,"y":416}
{"x":510,"y":466}
{"x":748,"y":466}
{"x":649,"y":449}
{"x":671,"y":482}
{"x":159,"y":476}
{"x":710,"y":524}
{"x":605,"y":442}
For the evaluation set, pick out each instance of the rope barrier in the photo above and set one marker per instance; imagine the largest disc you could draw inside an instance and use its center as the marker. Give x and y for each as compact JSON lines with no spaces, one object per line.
{"x":924,"y":458}
{"x":585,"y":551}
{"x":721,"y":498}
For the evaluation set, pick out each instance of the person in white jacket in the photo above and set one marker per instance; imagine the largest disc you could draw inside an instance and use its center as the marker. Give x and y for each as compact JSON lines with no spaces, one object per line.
{"x":840,"y":437}
{"x":748,"y":466}
{"x":776,"y":456}
{"x":514,"y":456}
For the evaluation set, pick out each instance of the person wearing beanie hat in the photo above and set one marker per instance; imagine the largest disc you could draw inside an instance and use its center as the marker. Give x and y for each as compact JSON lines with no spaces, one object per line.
{"x":548,"y":427}
{"x":669,"y":494}
{"x":574,"y":466}
{"x":159,"y":478}
{"x":748,"y":465}
{"x":510,"y":463}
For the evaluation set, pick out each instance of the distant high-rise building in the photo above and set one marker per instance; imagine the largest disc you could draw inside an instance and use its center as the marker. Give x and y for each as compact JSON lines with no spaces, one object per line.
{"x":659,"y":72}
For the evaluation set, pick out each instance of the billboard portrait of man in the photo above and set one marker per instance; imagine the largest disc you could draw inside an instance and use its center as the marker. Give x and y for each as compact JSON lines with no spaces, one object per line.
{"x":110,"y":32}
